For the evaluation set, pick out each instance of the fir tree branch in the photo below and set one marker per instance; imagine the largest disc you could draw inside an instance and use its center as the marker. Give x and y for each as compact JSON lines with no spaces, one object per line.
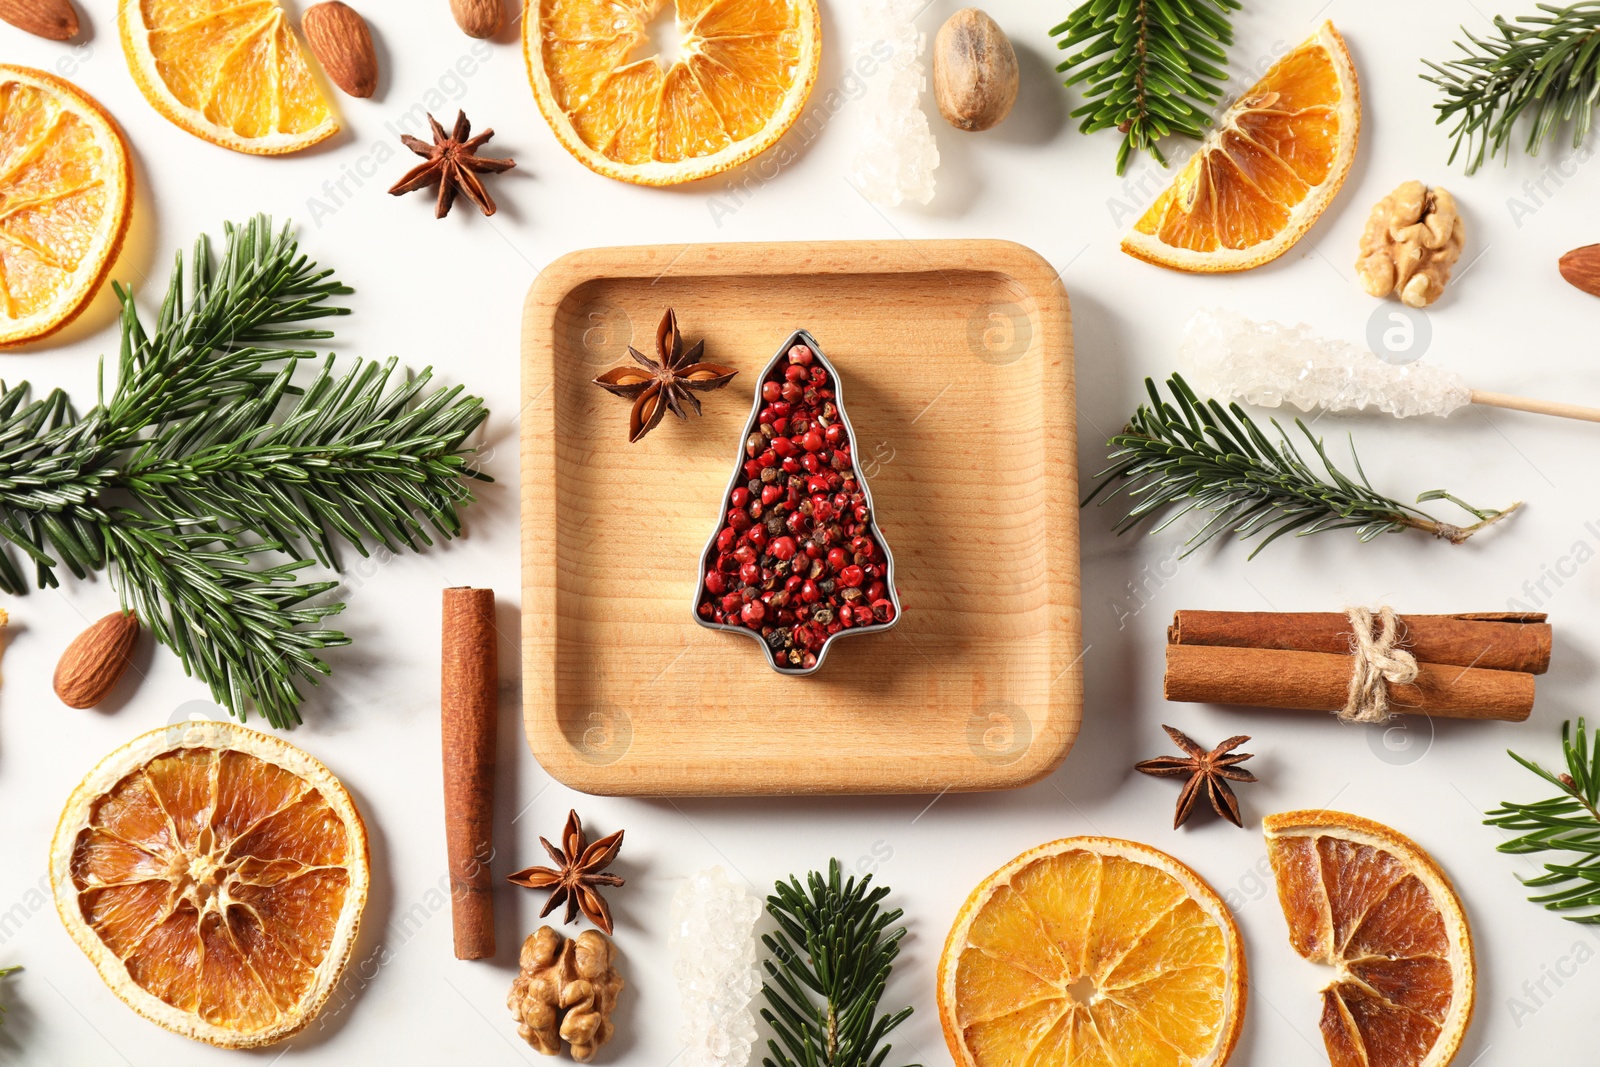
{"x":1199,"y":456}
{"x":831,"y":959}
{"x":1151,"y":68}
{"x":202,"y":503}
{"x":1544,"y":67}
{"x":1567,"y":823}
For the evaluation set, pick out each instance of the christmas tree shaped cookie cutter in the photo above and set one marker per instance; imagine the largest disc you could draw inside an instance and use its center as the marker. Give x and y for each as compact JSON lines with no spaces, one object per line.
{"x":778,"y":647}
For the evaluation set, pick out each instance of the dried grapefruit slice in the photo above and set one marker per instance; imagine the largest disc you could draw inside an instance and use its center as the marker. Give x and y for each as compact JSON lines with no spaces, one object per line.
{"x":1095,"y":952}
{"x":1359,"y":896}
{"x":65,"y":194}
{"x":739,"y":80}
{"x":229,"y":71}
{"x":215,"y":876}
{"x":1274,"y":162}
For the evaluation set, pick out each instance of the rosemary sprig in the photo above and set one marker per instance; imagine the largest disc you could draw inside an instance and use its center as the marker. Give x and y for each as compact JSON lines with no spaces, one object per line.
{"x":1568,"y":823}
{"x":201,"y":502}
{"x":1545,"y":67}
{"x":1205,"y":457}
{"x":1148,"y":67}
{"x":831,"y":959}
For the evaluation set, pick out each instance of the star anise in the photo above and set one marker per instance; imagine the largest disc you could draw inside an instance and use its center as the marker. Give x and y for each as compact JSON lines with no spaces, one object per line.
{"x":1206,"y":772}
{"x":452,"y":163}
{"x":580,"y":866}
{"x":667,"y":382}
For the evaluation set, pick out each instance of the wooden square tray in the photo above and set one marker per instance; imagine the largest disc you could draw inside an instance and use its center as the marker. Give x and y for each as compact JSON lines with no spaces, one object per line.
{"x":957,"y":363}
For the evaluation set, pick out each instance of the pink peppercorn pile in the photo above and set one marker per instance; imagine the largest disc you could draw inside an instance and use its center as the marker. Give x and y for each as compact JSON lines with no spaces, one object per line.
{"x":795,"y":560}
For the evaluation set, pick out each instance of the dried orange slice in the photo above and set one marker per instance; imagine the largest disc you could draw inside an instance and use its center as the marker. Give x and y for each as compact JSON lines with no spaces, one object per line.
{"x":1093,"y":952}
{"x":1375,"y":906}
{"x":215,"y":876}
{"x":229,"y":71}
{"x":65,"y":194}
{"x":740,"y":79}
{"x":1274,"y":162}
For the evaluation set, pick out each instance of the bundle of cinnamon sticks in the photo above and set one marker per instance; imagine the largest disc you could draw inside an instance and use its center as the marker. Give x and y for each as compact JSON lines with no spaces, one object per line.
{"x":1475,"y":666}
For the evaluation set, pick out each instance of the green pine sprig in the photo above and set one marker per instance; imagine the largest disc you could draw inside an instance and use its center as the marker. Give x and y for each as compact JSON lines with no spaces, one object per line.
{"x":7,"y":972}
{"x":1568,"y":823}
{"x":207,"y":481}
{"x":1196,"y":455}
{"x":1150,"y":68}
{"x":1544,"y":68}
{"x":830,"y":961}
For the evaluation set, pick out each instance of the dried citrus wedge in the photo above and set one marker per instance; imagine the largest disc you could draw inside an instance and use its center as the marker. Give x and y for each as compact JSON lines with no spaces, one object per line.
{"x":1093,"y":952}
{"x":65,"y":195}
{"x":1371,"y":903}
{"x":1274,"y":162}
{"x":215,"y":876}
{"x":740,"y":79}
{"x":229,"y":71}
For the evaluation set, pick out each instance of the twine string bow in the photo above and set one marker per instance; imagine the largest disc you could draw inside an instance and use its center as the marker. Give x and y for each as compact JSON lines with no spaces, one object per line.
{"x":1377,"y":663}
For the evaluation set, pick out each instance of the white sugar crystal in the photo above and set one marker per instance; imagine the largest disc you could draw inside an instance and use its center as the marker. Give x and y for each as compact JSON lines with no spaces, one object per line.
{"x":1226,"y":354}
{"x":713,"y":924}
{"x":895,"y":153}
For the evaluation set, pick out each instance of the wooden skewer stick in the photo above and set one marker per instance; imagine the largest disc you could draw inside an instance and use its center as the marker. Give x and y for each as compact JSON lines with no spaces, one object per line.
{"x":1538,"y":407}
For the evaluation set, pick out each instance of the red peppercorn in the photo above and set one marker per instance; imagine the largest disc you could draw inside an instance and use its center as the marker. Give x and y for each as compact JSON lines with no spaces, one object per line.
{"x":741,"y":497}
{"x":784,"y":447}
{"x":882,"y":611}
{"x":809,"y":592}
{"x":792,"y":391}
{"x":819,"y":376}
{"x":800,"y":354}
{"x":813,"y":550}
{"x":794,"y":372}
{"x":752,"y":613}
{"x":745,"y":554}
{"x":782,"y":548}
{"x":812,"y":441}
{"x":725,"y":539}
{"x":738,"y":519}
{"x":877,"y":591}
{"x":792,"y":584}
{"x":771,"y":391}
{"x":716,"y":583}
{"x":850,"y":575}
{"x":732,"y":602}
{"x":834,"y":434}
{"x":757,"y":535}
{"x":837,"y":559}
{"x":752,"y":469}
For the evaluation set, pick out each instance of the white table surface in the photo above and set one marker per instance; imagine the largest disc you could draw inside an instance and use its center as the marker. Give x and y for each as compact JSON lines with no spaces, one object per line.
{"x":449,"y":293}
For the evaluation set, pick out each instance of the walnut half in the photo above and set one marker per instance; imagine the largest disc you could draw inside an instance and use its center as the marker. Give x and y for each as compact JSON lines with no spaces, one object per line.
{"x":566,"y":990}
{"x":1413,"y":237}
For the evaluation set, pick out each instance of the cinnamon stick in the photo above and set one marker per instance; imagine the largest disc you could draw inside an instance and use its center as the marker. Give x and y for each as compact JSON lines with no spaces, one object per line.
{"x":469,"y":698}
{"x":1320,"y":681}
{"x":1504,"y":641}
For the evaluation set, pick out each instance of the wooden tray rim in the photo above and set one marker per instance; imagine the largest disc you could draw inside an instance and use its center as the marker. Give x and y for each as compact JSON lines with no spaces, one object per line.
{"x":1021,"y":264}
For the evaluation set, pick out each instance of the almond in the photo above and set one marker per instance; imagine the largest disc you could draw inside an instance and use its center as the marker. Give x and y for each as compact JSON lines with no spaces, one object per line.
{"x":339,"y":39}
{"x":1581,"y":267}
{"x":91,"y":665}
{"x":479,"y":18}
{"x":55,"y":20}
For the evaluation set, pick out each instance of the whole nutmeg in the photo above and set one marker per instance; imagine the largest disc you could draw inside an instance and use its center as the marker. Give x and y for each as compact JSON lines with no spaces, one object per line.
{"x":339,"y":38}
{"x":92,"y":664}
{"x":975,"y":73}
{"x":479,"y":18}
